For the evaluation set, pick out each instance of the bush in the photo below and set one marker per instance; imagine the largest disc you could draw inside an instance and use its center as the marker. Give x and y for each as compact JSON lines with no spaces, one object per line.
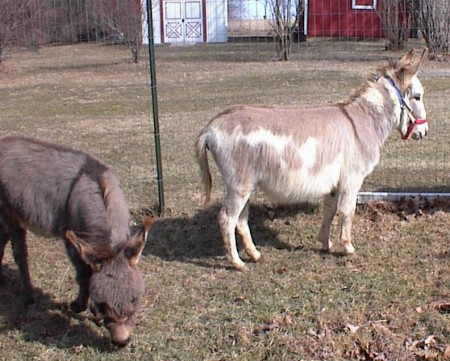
{"x":435,"y":26}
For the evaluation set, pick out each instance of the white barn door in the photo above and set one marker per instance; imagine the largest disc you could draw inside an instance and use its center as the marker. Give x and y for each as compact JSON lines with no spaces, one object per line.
{"x":183,"y":21}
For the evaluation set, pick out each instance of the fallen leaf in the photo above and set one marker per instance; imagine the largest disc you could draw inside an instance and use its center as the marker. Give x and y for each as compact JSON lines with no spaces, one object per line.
{"x":352,"y":328}
{"x":281,"y":270}
{"x":239,"y":299}
{"x":447,"y":352}
{"x":283,"y":319}
{"x":420,"y":310}
{"x":443,"y":307}
{"x":278,"y":322}
{"x":430,"y":340}
{"x":430,"y":349}
{"x":78,"y":349}
{"x":265,"y":328}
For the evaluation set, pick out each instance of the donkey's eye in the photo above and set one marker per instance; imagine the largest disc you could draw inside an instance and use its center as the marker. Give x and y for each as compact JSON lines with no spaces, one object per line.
{"x":101,"y":307}
{"x":107,"y":321}
{"x":417,"y":97}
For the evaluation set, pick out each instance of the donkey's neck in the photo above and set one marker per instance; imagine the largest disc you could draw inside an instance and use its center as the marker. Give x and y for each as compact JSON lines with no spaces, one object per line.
{"x":116,"y":208}
{"x":373,"y":111}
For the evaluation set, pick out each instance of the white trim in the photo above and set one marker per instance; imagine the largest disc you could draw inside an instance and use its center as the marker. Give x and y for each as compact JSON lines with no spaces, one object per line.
{"x":364,"y":7}
{"x":367,"y":197}
{"x":305,"y":18}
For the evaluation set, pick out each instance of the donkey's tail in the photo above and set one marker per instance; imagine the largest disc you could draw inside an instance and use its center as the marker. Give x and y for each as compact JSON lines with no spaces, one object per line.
{"x":201,"y":147}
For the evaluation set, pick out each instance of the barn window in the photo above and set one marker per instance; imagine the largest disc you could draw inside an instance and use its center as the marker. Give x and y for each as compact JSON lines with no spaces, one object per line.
{"x":364,"y":4}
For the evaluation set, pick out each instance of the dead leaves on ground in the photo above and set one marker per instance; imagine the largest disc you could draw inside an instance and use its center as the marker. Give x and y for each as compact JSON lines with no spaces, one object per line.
{"x":431,"y":348}
{"x":406,"y":208}
{"x":280,"y":321}
{"x":442,"y":307}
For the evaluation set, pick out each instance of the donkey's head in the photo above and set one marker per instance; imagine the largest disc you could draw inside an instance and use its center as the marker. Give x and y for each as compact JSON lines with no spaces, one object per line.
{"x":116,"y":288}
{"x":409,"y":92}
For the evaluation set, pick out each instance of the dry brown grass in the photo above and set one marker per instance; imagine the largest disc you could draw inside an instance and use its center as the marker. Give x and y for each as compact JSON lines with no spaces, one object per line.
{"x":387,"y":302}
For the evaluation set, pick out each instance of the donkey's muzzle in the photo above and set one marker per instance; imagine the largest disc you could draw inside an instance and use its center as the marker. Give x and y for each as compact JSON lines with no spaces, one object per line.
{"x":121,"y":343}
{"x":120,"y":332}
{"x":418,"y":129}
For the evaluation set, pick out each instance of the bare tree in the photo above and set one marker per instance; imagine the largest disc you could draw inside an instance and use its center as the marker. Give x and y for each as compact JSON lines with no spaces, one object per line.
{"x":286,"y":15}
{"x":395,"y":17}
{"x":51,"y":21}
{"x":266,"y":5}
{"x":435,"y":26}
{"x":15,"y":16}
{"x":123,"y":19}
{"x":235,"y":9}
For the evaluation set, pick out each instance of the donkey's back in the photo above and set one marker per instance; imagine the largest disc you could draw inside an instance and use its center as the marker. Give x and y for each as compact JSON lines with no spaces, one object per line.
{"x":293,"y":154}
{"x":51,"y":188}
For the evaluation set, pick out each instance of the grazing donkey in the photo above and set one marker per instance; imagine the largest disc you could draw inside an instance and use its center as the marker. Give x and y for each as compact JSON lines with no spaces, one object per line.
{"x":57,"y":191}
{"x":301,"y":154}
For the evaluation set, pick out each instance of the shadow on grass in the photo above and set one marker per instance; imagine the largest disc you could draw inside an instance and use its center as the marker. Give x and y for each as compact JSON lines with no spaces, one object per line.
{"x":46,"y":321}
{"x":197,"y":239}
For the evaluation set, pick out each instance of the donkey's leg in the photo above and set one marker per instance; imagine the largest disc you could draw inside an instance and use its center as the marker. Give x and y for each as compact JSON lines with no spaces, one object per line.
{"x":347,"y":206}
{"x":244,"y":231}
{"x":20,"y":253}
{"x":84,"y":274}
{"x":228,"y":220}
{"x":330,"y":202}
{"x":4,"y":238}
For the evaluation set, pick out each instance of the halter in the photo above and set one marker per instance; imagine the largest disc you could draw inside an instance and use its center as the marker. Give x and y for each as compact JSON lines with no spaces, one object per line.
{"x":403,"y":106}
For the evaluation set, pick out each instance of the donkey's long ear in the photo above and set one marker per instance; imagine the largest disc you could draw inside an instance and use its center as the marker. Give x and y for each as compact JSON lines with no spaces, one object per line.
{"x":136,"y":243}
{"x":408,"y":66}
{"x":420,"y":61}
{"x":405,"y":61}
{"x":91,"y":256}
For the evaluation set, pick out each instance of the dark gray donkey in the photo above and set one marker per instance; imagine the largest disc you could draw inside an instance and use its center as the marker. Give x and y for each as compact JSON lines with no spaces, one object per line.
{"x":57,"y":191}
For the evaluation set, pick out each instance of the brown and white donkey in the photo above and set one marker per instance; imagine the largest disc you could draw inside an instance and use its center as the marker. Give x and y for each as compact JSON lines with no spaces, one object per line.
{"x":310,"y":153}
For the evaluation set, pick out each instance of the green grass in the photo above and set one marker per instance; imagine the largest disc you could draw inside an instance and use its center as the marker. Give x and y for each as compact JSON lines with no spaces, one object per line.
{"x":297,"y":303}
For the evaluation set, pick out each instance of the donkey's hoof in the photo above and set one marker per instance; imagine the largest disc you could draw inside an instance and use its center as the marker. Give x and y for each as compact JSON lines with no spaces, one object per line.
{"x":256,"y":256}
{"x":77,"y":307}
{"x":241,"y":267}
{"x":326,"y":246}
{"x":244,"y":269}
{"x":349,"y":249}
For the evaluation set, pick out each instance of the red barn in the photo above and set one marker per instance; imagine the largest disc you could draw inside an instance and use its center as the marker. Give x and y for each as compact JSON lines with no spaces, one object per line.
{"x":342,"y":18}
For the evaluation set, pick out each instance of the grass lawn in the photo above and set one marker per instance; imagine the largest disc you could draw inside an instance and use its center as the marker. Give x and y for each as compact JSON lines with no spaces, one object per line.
{"x":389,"y":301}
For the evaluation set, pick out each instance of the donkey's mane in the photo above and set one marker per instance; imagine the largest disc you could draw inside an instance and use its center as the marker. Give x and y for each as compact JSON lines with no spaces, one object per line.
{"x":115,"y":206}
{"x":386,"y":71}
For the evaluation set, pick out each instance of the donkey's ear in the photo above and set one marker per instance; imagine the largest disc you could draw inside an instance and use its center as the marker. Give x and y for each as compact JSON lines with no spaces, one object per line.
{"x":406,"y":60}
{"x":135,"y":245}
{"x":408,"y":66}
{"x":420,"y":61}
{"x":87,"y":253}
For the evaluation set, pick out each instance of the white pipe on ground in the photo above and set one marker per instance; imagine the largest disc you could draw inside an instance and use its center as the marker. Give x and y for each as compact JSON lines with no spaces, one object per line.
{"x":367,"y":197}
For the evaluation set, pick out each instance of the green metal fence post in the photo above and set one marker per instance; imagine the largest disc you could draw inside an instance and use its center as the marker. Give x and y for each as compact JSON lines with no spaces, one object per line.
{"x":153,"y":87}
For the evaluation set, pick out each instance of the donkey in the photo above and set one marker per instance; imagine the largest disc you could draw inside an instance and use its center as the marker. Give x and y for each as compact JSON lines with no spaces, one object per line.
{"x":305,"y":154}
{"x":56,"y":191}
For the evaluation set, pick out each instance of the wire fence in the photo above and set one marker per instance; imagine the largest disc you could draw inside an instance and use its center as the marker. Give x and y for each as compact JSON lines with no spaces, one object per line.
{"x":92,"y":90}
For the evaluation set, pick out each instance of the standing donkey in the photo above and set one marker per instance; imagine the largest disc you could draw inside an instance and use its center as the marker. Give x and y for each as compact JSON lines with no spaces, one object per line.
{"x":302,"y":154}
{"x":57,"y":191}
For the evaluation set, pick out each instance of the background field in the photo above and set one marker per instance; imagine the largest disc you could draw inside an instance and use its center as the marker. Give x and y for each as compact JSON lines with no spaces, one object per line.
{"x":389,"y":301}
